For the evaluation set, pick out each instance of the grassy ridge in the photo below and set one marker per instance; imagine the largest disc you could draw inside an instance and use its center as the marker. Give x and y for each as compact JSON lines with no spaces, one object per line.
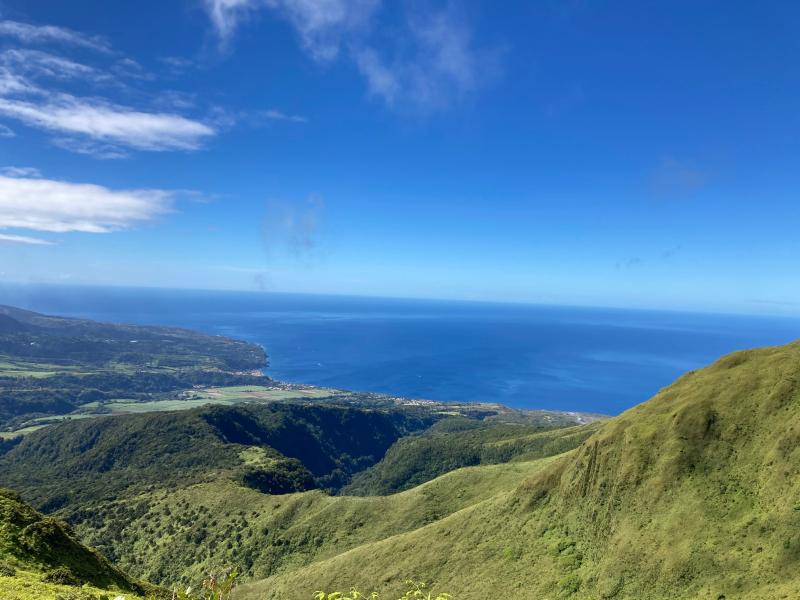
{"x":41,"y":559}
{"x":178,"y":535}
{"x":693,"y":494}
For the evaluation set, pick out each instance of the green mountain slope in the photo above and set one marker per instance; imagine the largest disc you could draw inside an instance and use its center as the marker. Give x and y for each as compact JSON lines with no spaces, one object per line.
{"x":693,"y":494}
{"x":272,"y":447}
{"x":178,"y":535}
{"x":168,"y":495}
{"x":455,"y":443}
{"x":40,"y":559}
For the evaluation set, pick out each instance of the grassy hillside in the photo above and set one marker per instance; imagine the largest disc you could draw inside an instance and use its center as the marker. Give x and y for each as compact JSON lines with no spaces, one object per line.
{"x":169,"y":495}
{"x":40,"y":559}
{"x":202,"y":526}
{"x":693,"y":494}
{"x":454,"y":443}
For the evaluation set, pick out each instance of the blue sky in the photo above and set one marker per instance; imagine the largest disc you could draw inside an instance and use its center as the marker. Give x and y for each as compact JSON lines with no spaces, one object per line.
{"x":605,"y":153}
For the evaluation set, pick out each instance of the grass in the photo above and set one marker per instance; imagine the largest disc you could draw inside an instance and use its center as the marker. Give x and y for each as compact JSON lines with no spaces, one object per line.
{"x":224,"y":396}
{"x":691,"y":495}
{"x":10,"y":435}
{"x":41,"y":559}
{"x":263,"y":393}
{"x":28,"y":585}
{"x":265,"y":534}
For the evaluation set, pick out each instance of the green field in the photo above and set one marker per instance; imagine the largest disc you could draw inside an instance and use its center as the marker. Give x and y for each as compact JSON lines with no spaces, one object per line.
{"x":240,"y":393}
{"x":226,"y":396}
{"x":9,"y":435}
{"x":15,"y":368}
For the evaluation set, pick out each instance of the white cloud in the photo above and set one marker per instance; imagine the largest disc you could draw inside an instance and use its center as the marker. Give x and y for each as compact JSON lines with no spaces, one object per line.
{"x":21,"y":172}
{"x":90,"y":148}
{"x":277,"y":115}
{"x":110,"y":123}
{"x":127,"y":67}
{"x":33,"y":34}
{"x":320,"y":24}
{"x":6,"y":132}
{"x":39,"y":63}
{"x":31,"y":93}
{"x":11,"y":83}
{"x":427,"y":64}
{"x":177,"y":64}
{"x":61,"y":206}
{"x":440,"y":66}
{"x":23,"y":239}
{"x":381,"y":80}
{"x":225,"y":15}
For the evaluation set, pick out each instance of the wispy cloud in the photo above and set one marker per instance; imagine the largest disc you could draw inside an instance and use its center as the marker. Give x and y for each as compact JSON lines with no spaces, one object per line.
{"x":23,"y":239}
{"x":32,"y":92}
{"x":226,"y":15}
{"x":6,"y":132}
{"x":427,"y":65}
{"x":177,"y":64}
{"x":440,"y":65}
{"x":106,"y":122}
{"x":33,"y":34}
{"x":39,"y":63}
{"x":320,"y":24}
{"x":60,"y":206}
{"x":20,"y":172}
{"x":277,"y":115}
{"x":222,"y":118}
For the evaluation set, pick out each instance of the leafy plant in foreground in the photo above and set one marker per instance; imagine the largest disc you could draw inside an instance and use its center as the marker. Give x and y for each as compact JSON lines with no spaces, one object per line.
{"x":416,"y":591}
{"x":217,"y":586}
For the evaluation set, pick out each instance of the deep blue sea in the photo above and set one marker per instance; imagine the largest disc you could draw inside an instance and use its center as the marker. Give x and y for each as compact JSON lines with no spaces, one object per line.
{"x":565,"y":358}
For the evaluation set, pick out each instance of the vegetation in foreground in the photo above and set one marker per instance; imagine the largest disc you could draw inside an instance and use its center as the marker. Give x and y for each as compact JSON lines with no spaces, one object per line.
{"x":40,"y":558}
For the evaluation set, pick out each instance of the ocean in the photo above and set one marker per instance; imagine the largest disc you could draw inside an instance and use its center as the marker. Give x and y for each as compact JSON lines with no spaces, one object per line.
{"x":526,"y":356}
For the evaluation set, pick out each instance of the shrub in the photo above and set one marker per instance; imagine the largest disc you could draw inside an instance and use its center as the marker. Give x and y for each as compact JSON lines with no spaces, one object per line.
{"x":61,"y":576}
{"x":6,"y":570}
